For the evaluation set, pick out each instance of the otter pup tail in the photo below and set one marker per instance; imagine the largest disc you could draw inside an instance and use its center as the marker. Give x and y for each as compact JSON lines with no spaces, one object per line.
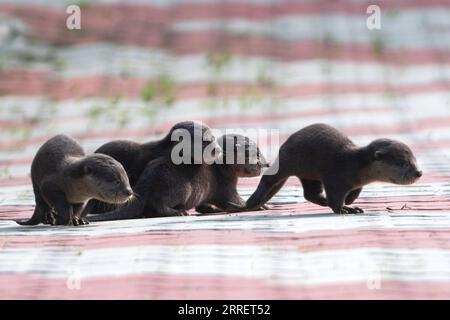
{"x":35,"y":219}
{"x":268,"y":186}
{"x":131,"y":210}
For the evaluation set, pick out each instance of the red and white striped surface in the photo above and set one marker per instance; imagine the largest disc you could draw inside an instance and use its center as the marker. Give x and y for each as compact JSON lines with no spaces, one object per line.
{"x":323,"y":65}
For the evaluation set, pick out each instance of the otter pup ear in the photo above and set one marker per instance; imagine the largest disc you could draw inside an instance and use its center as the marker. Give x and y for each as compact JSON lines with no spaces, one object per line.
{"x":379,"y":154}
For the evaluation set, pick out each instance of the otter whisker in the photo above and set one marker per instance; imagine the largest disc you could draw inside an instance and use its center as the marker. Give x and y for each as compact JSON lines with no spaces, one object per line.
{"x":131,"y":200}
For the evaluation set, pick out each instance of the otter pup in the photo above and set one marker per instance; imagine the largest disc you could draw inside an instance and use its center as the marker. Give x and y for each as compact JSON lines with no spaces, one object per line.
{"x":241,"y":158}
{"x":64,"y":179}
{"x":135,"y":156}
{"x":168,"y":189}
{"x":324,"y":159}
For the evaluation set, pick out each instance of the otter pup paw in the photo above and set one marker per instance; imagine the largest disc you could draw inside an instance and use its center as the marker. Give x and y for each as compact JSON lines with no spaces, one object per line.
{"x":78,"y":221}
{"x":49,"y":218}
{"x":350,"y":210}
{"x":83,"y":221}
{"x":359,"y":210}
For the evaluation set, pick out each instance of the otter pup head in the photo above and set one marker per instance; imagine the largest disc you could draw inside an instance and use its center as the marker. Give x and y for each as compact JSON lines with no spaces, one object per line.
{"x":243,"y":154}
{"x":193,"y":142}
{"x":394,"y":162}
{"x":103,"y":178}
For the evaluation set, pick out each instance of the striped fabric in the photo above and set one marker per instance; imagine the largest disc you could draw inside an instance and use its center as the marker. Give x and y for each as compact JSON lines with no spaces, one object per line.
{"x":234,"y":65}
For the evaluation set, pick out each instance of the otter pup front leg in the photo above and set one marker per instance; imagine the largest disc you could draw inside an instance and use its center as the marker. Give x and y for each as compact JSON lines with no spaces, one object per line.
{"x":336,"y":195}
{"x":64,"y":213}
{"x":90,"y":207}
{"x":49,"y":217}
{"x":78,"y":218}
{"x":352,"y":196}
{"x":313,"y":192}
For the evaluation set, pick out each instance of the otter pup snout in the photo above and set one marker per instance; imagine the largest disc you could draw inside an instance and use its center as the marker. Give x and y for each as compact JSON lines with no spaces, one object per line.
{"x":123,"y":195}
{"x":128,"y":192}
{"x":105,"y":179}
{"x":243,"y":154}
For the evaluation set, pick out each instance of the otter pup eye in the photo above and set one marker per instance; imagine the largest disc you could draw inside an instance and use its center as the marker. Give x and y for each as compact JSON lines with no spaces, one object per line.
{"x":110,"y":179}
{"x":401,"y":163}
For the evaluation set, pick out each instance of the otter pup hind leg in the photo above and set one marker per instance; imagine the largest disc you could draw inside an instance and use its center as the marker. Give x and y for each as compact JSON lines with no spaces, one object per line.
{"x":51,"y":207}
{"x":64,"y":211}
{"x":56,"y":199}
{"x":313,"y":192}
{"x":77,"y":219}
{"x":352,"y":196}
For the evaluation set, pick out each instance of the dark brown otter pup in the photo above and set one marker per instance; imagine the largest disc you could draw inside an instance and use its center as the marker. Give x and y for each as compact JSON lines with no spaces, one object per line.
{"x":241,"y":158}
{"x":64,"y":179}
{"x":168,"y":189}
{"x":326,"y":160}
{"x":136,"y":156}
